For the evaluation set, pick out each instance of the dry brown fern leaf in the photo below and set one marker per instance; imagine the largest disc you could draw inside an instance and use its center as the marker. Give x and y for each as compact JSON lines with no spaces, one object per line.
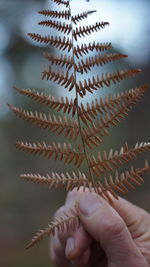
{"x":84,"y":124}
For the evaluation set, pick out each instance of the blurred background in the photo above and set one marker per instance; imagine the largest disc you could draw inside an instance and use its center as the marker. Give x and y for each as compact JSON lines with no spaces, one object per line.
{"x":25,"y":207}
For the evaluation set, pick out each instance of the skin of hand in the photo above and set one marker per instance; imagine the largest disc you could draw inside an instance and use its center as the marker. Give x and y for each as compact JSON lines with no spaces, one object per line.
{"x":108,"y":236}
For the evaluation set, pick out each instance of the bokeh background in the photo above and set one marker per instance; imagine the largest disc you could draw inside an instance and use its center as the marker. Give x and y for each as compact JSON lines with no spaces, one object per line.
{"x":25,"y":207}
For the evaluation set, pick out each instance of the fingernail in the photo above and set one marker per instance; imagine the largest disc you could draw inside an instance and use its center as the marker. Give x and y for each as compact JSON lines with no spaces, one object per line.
{"x":89,"y":203}
{"x":69,"y":247}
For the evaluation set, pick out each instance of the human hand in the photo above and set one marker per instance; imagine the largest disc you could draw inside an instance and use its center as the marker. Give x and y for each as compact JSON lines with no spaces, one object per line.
{"x":117,"y":236}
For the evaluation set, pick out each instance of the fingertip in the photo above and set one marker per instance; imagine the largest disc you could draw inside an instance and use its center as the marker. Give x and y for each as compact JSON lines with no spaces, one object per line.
{"x":88,"y":203}
{"x":83,"y":261}
{"x":57,"y":254}
{"x":73,"y":196}
{"x":77,"y":244}
{"x":70,"y":246}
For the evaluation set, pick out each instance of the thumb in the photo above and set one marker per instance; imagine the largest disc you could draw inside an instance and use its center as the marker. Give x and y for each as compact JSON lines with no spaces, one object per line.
{"x":106,"y":226}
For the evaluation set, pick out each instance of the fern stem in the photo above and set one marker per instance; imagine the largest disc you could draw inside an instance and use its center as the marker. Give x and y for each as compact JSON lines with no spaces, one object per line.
{"x":77,"y":104}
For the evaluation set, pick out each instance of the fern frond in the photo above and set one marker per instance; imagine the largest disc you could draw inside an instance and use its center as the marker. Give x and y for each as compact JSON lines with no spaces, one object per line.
{"x":112,"y":118}
{"x":56,"y":14}
{"x":69,"y":181}
{"x":98,"y":60}
{"x":61,"y":2}
{"x":64,"y":104}
{"x":105,"y":80}
{"x":62,"y":60}
{"x":84,"y":49}
{"x":68,"y":220}
{"x":121,"y":182}
{"x":102,"y":174}
{"x":63,"y":152}
{"x":110,"y":103}
{"x":60,"y":77}
{"x":58,"y":42}
{"x":62,"y":27}
{"x":81,"y":16}
{"x":91,"y":133}
{"x":114,"y":159}
{"x":65,"y":180}
{"x":86,"y":30}
{"x":50,"y":122}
